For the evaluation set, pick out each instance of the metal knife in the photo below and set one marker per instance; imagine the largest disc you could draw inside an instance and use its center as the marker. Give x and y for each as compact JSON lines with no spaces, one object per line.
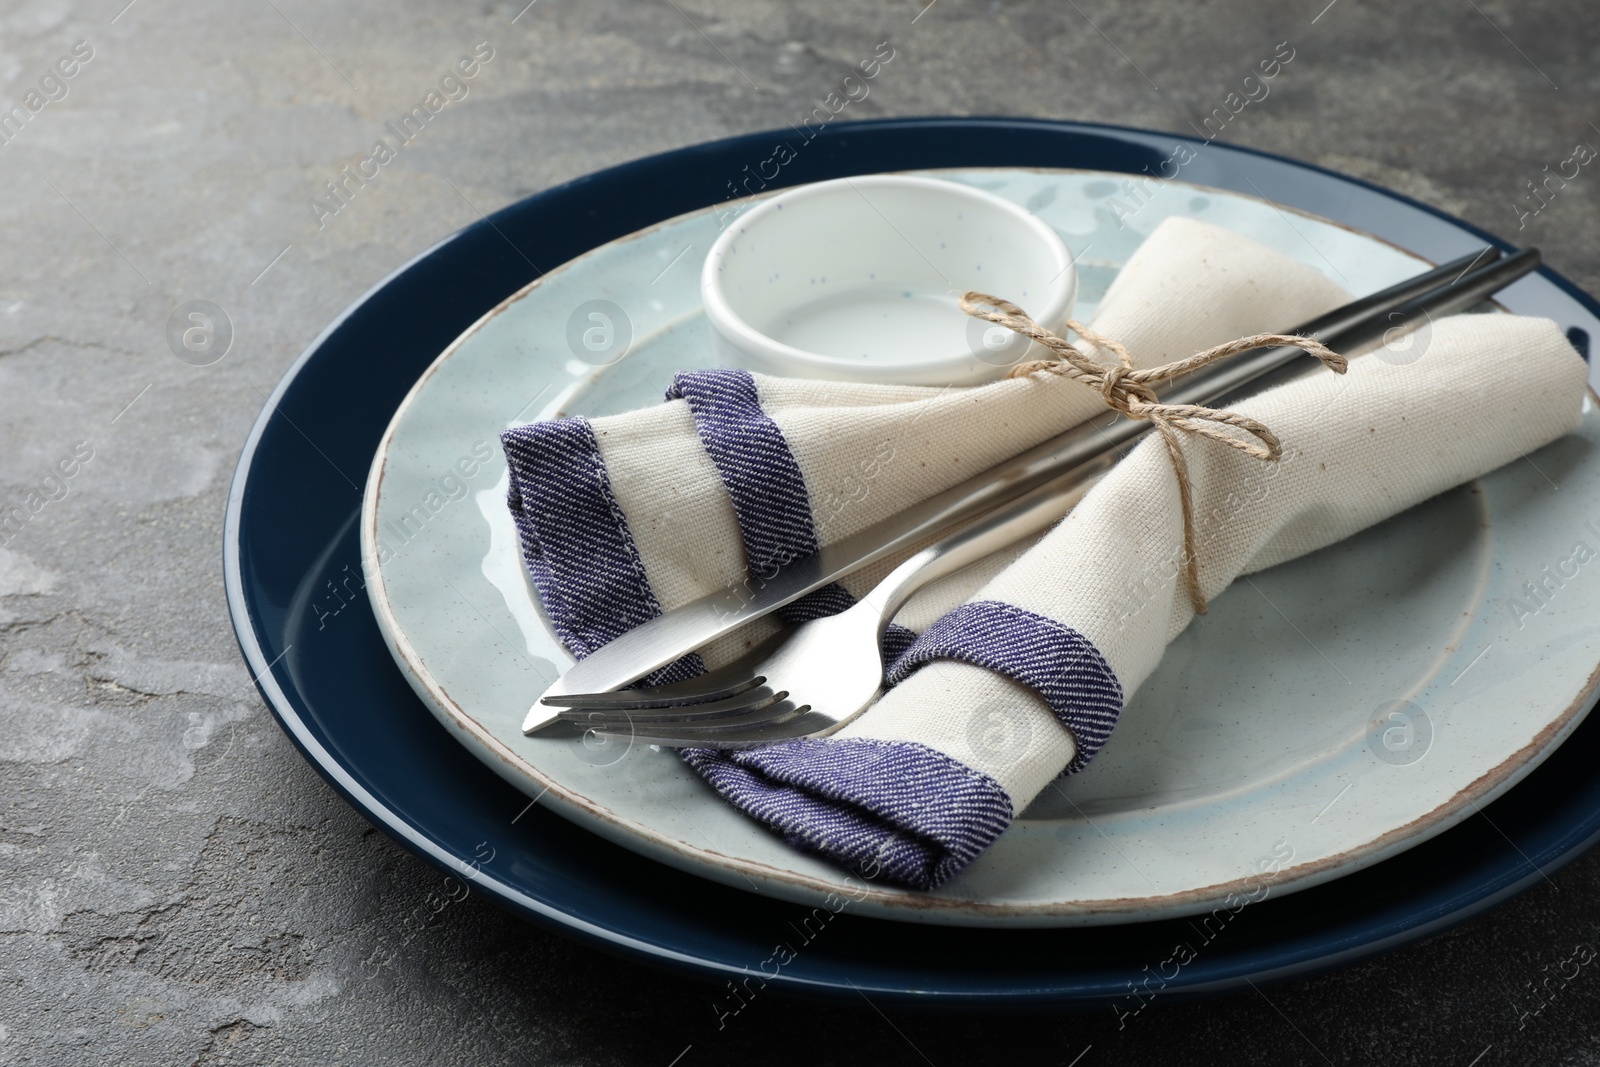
{"x":1358,"y":326}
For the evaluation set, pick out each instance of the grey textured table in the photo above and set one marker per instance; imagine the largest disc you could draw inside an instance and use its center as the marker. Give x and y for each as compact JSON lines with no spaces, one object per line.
{"x":176,"y":885}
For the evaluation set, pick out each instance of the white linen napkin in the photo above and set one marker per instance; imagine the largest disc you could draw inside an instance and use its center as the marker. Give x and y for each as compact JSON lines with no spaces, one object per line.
{"x":625,"y":516}
{"x":1027,"y":678}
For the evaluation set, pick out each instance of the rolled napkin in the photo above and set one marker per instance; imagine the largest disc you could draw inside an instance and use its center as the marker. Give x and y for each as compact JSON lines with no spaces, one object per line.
{"x":625,"y":516}
{"x":1050,"y":648}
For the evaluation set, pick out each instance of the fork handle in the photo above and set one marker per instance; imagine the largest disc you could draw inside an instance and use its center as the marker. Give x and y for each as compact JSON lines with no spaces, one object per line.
{"x":1028,"y":514}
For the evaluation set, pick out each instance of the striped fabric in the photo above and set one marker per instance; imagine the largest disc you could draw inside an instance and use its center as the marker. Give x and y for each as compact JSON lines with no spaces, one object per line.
{"x":895,"y":810}
{"x":1054,"y":660}
{"x":576,"y":541}
{"x":764,"y":482}
{"x":582,"y":556}
{"x":905,"y":793}
{"x":889,"y":810}
{"x":762,"y":478}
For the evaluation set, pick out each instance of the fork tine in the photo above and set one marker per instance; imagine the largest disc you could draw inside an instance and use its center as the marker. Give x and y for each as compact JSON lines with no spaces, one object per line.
{"x":722,"y":683}
{"x":759,"y":730}
{"x":677,"y":734}
{"x":750,"y":700}
{"x":687,"y":732}
{"x":679,"y":694}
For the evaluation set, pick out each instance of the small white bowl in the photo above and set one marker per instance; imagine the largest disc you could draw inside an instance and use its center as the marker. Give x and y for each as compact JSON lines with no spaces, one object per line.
{"x":858,"y":280}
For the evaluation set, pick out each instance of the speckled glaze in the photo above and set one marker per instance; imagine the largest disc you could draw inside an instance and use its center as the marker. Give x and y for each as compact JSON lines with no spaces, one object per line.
{"x":1408,"y":689}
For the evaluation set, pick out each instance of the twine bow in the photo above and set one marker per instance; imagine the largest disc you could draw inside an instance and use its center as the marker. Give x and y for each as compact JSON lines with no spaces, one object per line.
{"x":1126,"y":389}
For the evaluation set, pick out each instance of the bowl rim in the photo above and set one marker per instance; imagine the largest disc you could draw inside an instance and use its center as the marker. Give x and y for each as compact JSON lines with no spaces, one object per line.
{"x":1061,"y":291}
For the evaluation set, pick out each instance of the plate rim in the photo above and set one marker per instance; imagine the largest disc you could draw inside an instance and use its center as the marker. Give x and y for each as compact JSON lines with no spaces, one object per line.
{"x":1483,"y":783}
{"x":1308,"y":955}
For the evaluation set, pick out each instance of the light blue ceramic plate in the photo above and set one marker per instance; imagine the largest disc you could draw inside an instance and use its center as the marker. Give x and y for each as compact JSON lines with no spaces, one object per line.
{"x":1404,"y":693}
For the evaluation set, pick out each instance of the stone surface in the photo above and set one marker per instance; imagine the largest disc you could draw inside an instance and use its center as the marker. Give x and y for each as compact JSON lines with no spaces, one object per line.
{"x":176,"y":885}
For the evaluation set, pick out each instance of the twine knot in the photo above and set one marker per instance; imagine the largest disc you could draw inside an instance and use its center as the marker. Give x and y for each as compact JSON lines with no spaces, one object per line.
{"x":1117,"y":390}
{"x":1126,"y":389}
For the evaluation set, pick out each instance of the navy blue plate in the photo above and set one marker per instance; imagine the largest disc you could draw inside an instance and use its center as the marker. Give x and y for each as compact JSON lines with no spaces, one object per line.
{"x":291,"y":527}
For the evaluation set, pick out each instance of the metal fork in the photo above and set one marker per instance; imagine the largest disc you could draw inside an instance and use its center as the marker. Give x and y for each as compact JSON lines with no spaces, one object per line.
{"x":836,"y":662}
{"x":812,"y":679}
